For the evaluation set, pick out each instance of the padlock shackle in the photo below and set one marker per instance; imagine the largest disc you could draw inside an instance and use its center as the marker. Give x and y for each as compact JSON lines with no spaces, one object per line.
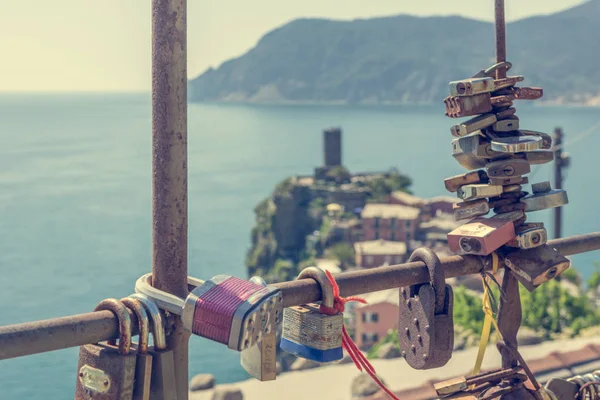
{"x":164,"y":300}
{"x":158,"y":328}
{"x":321,"y":277}
{"x":120,"y":311}
{"x":437,"y":278}
{"x":143,"y":324}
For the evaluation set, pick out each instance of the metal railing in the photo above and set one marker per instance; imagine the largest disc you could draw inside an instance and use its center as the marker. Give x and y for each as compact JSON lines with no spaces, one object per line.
{"x":59,"y":333}
{"x":169,"y":215}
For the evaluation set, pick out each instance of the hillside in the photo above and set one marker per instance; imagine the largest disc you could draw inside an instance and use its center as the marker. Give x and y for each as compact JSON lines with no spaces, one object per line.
{"x":407,"y":59}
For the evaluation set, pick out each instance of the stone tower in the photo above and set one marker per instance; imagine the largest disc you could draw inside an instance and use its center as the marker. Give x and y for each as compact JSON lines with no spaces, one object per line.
{"x":332,"y":147}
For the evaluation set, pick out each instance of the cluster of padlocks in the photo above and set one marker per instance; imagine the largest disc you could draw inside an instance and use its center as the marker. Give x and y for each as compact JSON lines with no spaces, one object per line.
{"x":244,"y":315}
{"x":499,"y":155}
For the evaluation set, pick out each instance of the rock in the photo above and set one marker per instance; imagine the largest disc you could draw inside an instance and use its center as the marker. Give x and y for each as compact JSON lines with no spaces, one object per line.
{"x":388,"y":350}
{"x":346,"y":359}
{"x":459,"y":343}
{"x":527,"y":336}
{"x":286,"y":360}
{"x":227,"y":392}
{"x":364,"y":386}
{"x":301,"y":364}
{"x":202,"y":382}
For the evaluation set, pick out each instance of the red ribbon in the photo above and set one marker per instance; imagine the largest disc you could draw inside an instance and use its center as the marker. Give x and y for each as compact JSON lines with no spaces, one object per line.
{"x":361,"y":362}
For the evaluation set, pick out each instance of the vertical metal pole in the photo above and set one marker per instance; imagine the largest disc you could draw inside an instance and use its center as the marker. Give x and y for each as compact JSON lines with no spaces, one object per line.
{"x":558,"y":179}
{"x":500,"y":38}
{"x":169,"y":166}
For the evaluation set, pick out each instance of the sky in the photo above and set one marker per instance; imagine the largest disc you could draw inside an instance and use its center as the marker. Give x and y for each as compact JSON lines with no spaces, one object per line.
{"x":105,"y":45}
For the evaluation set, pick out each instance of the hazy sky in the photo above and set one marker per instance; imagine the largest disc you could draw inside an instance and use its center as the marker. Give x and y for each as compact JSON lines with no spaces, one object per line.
{"x":104,"y":45}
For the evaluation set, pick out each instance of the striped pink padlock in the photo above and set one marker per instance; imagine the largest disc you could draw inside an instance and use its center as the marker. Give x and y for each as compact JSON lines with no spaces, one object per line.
{"x":232,"y":311}
{"x":225,"y":309}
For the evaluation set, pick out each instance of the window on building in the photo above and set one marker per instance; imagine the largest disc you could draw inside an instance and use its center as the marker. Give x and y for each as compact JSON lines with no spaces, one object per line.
{"x":398,"y":259}
{"x":365,"y":337}
{"x":393,"y":236}
{"x":387,"y":260}
{"x":408,"y":223}
{"x":369,"y":260}
{"x":392,"y":222}
{"x":375,"y":337}
{"x":374,"y":317}
{"x":408,"y":238}
{"x":376,"y":222}
{"x":376,"y":235}
{"x":364,"y":317}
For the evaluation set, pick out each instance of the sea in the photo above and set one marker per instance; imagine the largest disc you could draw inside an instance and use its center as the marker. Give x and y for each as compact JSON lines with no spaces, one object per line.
{"x":75,"y":197}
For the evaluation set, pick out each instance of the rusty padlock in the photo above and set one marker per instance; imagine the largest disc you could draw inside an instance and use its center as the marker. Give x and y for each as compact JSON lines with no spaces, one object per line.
{"x":104,"y":371}
{"x":426,"y":327}
{"x":455,"y":182}
{"x":532,"y":267}
{"x":466,"y":106}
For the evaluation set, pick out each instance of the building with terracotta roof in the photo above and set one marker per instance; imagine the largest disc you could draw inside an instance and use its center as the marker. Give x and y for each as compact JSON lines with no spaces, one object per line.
{"x":374,"y":320}
{"x":375,"y":253}
{"x":389,"y":222}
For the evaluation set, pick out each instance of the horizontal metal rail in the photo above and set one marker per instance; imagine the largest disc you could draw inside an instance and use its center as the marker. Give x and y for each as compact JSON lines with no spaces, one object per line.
{"x":60,"y":333}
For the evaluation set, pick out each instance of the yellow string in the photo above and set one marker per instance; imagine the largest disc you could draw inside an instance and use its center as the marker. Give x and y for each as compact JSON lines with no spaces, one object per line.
{"x":488,"y":321}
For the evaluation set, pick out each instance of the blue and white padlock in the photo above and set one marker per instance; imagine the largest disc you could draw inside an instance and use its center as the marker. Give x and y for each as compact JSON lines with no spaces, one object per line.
{"x":309,"y":334}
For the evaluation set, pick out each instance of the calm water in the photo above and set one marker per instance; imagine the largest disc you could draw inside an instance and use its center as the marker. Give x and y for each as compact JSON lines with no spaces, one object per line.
{"x":75,"y":198}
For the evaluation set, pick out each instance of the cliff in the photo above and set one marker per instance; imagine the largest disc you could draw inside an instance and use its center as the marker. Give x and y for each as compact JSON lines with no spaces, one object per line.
{"x":292,"y":226}
{"x":406,"y":59}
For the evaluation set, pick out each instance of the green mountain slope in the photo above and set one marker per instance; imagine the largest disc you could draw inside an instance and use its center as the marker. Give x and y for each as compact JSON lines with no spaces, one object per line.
{"x":406,"y":59}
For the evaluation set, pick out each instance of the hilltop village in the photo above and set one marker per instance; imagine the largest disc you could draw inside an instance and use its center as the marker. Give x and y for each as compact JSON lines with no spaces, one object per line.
{"x":339,"y":220}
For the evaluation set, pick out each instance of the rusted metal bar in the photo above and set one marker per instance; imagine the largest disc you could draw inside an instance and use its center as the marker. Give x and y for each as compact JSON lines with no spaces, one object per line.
{"x":500,"y":38}
{"x":60,"y":333}
{"x":169,"y":166}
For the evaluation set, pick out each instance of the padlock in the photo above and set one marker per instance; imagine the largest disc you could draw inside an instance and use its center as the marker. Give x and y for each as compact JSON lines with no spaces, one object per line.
{"x":516,"y":217}
{"x":481,"y":236}
{"x":453,"y":183}
{"x":107,"y":372}
{"x":561,"y":389}
{"x":507,"y":82}
{"x":508,"y":181}
{"x":478,"y":191}
{"x":143,"y":364}
{"x":516,"y":144}
{"x":260,"y":360}
{"x":506,"y":125}
{"x":473,"y":125}
{"x":224,"y":309}
{"x":426,"y":327}
{"x":472,"y":86}
{"x":466,"y":106}
{"x":546,"y":139}
{"x":539,"y":157}
{"x":163,"y":385}
{"x":521,"y":93}
{"x":508,"y":208}
{"x":472,"y":151}
{"x":310,"y":334}
{"x":470,"y":209}
{"x":544,"y":197}
{"x":529,"y":236}
{"x":491,"y":71}
{"x":507,"y":168}
{"x":506,"y":113}
{"x":535,"y":266}
{"x":500,"y":102}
